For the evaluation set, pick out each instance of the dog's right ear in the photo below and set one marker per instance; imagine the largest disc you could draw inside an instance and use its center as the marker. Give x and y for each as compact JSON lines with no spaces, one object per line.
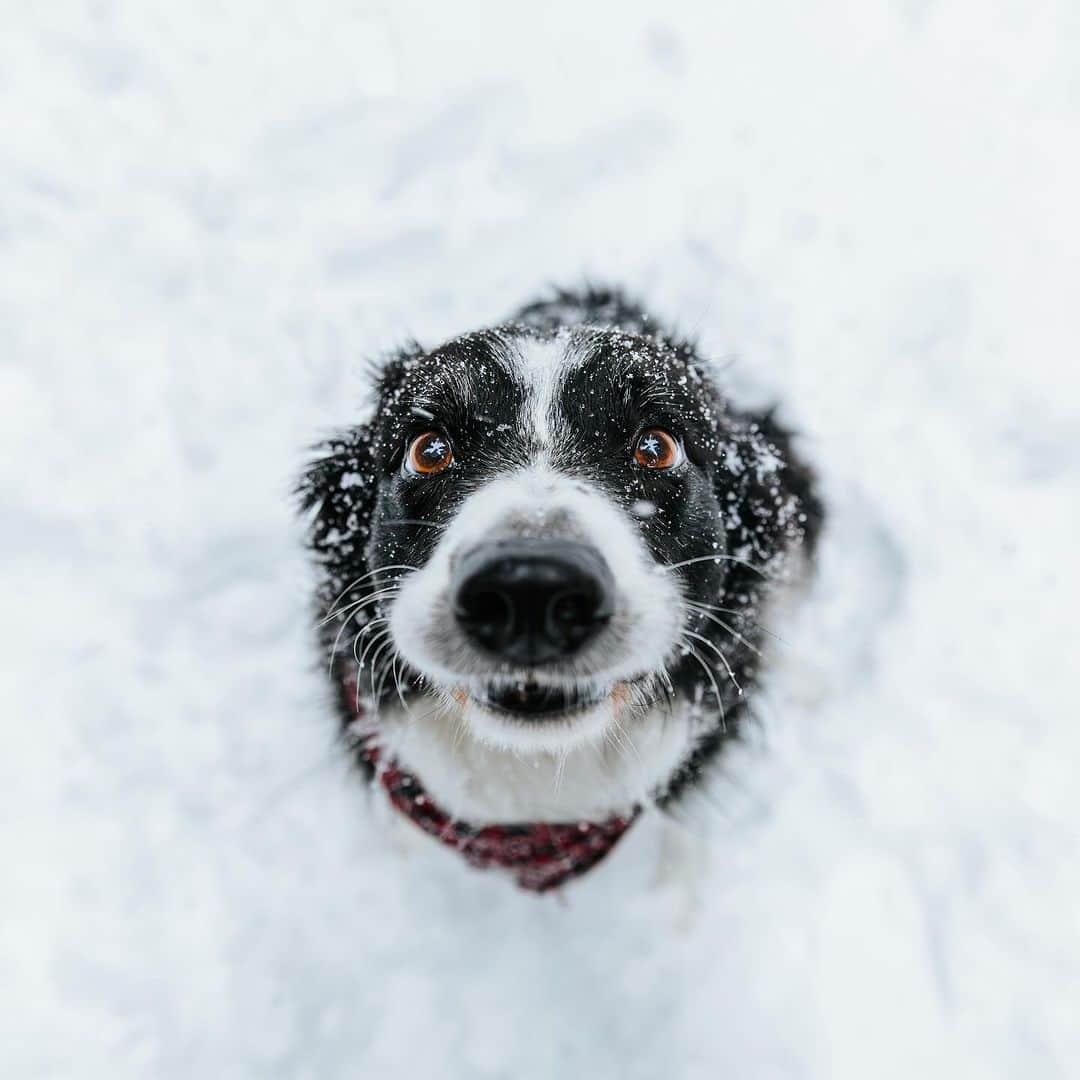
{"x":337,"y":493}
{"x":339,"y":488}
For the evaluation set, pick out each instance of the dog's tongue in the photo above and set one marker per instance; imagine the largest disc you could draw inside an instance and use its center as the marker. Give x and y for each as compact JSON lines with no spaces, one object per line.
{"x":540,"y":855}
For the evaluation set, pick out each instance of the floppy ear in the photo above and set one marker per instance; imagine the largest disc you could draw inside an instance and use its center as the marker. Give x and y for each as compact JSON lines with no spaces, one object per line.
{"x":337,"y":493}
{"x":339,"y":489}
{"x":772,"y":512}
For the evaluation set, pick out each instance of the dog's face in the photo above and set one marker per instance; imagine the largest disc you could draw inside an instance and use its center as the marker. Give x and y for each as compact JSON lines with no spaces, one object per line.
{"x":549,"y":483}
{"x":557,"y":539}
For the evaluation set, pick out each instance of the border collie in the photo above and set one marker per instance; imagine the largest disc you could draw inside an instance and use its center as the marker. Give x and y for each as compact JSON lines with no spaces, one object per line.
{"x":543,"y":563}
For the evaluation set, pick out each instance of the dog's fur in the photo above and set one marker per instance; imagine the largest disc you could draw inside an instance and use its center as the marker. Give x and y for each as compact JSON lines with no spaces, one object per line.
{"x":541,"y":413}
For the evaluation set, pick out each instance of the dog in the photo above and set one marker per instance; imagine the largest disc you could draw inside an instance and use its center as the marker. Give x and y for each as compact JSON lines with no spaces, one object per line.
{"x":543,"y":562}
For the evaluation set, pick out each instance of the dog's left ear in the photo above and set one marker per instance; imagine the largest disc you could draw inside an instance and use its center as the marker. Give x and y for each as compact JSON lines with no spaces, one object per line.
{"x":768,"y":494}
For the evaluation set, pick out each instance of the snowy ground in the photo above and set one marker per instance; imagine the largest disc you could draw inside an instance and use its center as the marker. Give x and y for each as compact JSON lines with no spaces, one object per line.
{"x":208,"y":218}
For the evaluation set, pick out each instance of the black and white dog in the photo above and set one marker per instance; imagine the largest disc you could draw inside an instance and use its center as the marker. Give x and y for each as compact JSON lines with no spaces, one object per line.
{"x":543,"y":563}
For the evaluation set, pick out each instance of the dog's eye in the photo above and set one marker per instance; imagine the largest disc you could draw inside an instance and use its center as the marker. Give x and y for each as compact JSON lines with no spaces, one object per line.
{"x":428,"y":454}
{"x":657,"y":449}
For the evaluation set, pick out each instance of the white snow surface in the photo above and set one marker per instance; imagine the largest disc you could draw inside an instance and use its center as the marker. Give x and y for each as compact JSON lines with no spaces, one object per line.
{"x":211,"y":214}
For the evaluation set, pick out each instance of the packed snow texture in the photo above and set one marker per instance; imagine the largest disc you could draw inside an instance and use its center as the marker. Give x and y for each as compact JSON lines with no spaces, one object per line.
{"x":210,"y":215}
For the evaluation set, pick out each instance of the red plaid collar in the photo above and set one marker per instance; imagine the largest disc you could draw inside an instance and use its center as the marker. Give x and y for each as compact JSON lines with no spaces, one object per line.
{"x":540,"y":855}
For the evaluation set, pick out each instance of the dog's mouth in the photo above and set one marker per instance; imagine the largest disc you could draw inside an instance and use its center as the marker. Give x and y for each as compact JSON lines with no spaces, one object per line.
{"x":531,"y":700}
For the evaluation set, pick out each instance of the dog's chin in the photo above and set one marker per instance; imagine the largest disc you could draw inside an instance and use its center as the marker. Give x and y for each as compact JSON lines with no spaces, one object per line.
{"x":524,"y":717}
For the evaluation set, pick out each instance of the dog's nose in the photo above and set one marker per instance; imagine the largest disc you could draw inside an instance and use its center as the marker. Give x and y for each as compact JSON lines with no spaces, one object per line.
{"x":530,"y":600}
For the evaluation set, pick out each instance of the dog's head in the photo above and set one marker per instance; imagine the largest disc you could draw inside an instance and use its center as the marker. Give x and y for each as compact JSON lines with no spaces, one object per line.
{"x":559,"y":533}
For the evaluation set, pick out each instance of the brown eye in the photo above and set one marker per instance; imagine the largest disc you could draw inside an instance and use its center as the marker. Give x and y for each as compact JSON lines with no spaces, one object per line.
{"x":428,"y":454}
{"x":657,"y":449}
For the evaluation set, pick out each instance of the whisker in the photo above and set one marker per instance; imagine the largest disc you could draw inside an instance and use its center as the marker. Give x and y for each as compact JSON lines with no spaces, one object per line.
{"x":360,"y":660}
{"x":560,"y":769}
{"x":337,"y":642}
{"x":459,"y":730}
{"x":382,"y":635}
{"x":364,"y":577}
{"x":379,"y":594}
{"x":374,"y":662}
{"x":334,"y":647}
{"x":739,"y":615}
{"x":665,"y":677}
{"x":716,"y":689}
{"x":351,"y":585}
{"x":397,"y":686}
{"x":720,"y":622}
{"x":387,"y":593}
{"x":356,"y":640}
{"x":611,"y":737}
{"x":625,"y":734}
{"x":716,"y":649}
{"x":413,"y":521}
{"x":715,"y":558}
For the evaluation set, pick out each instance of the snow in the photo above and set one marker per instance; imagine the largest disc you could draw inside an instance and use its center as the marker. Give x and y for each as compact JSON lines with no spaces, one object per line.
{"x":210,"y":216}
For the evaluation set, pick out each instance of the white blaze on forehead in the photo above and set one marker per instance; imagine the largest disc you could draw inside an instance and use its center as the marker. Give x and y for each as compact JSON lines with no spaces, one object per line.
{"x":541,"y":366}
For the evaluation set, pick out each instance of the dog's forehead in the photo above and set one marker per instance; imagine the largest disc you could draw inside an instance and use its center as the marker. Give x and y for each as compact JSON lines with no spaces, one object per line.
{"x":596,"y":357}
{"x":539,"y":374}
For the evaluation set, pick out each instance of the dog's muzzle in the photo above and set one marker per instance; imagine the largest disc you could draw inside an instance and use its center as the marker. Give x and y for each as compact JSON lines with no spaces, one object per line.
{"x":532,"y":601}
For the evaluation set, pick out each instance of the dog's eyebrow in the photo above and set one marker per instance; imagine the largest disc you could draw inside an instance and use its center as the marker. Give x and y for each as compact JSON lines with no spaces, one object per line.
{"x":646,"y":371}
{"x":458,"y":383}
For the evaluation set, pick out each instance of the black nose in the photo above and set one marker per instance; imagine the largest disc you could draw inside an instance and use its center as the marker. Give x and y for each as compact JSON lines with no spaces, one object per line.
{"x":531,"y":601}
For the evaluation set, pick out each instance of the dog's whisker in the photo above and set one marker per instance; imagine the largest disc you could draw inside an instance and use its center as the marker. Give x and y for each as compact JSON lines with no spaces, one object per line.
{"x":723,"y":625}
{"x":414,"y":521}
{"x":611,"y":737}
{"x":398,"y":687}
{"x":382,"y":638}
{"x":356,"y":647}
{"x":622,"y":741}
{"x":380,"y":593}
{"x":459,"y":731}
{"x":724,"y":660}
{"x":356,"y":641}
{"x":380,"y":672}
{"x":334,"y":648}
{"x":346,"y":621}
{"x":350,"y":586}
{"x":739,"y":615}
{"x":336,"y":643}
{"x":714,"y":558}
{"x":625,"y":735}
{"x":665,"y":677}
{"x":363,"y":577}
{"x":716,"y":689}
{"x":560,"y":771}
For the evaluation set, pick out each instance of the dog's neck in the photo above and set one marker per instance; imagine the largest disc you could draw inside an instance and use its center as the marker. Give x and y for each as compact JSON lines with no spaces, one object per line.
{"x":541,"y":855}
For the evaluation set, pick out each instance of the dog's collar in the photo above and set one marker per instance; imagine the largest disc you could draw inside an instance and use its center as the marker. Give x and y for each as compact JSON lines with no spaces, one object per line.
{"x":540,"y":855}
